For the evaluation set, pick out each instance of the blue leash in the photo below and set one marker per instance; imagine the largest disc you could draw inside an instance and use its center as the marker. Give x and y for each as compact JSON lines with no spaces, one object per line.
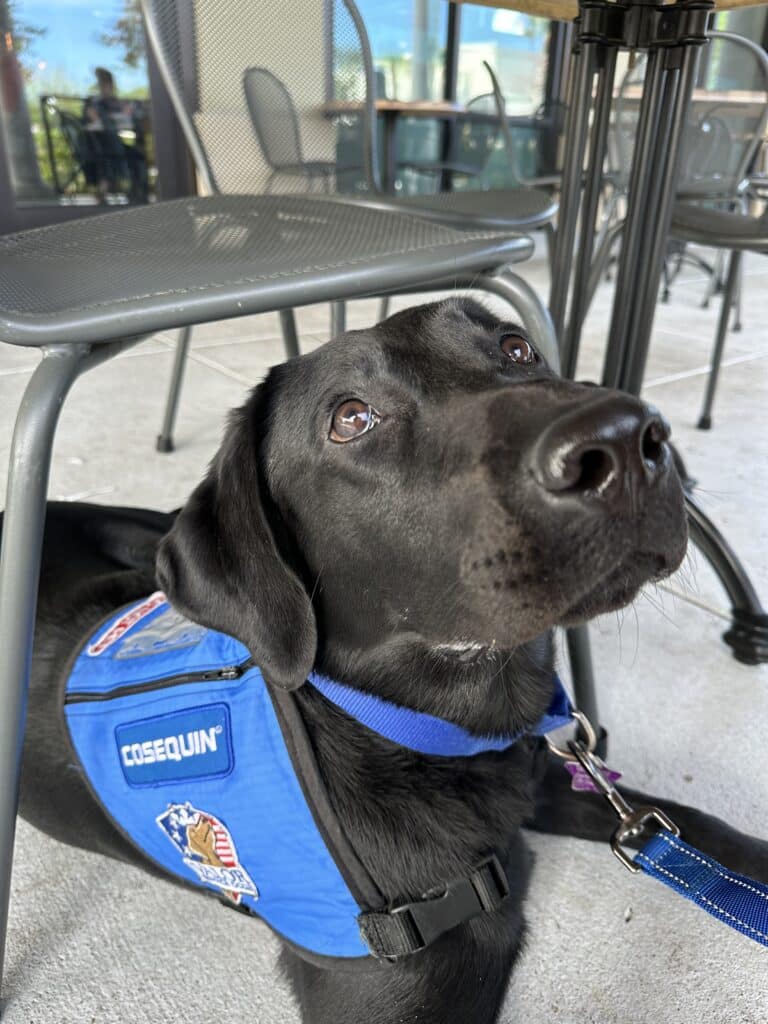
{"x":733,"y":899}
{"x":738,"y":901}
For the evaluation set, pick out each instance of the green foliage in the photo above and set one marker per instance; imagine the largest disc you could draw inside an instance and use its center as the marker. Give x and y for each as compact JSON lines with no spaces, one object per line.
{"x":65,"y":163}
{"x":24,"y":35}
{"x":127,"y":32}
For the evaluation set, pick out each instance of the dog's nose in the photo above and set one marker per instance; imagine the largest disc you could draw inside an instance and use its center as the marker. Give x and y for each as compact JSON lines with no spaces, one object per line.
{"x":603,"y":450}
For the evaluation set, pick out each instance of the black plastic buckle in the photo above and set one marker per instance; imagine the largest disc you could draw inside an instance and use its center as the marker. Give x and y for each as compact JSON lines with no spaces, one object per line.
{"x":411,"y":927}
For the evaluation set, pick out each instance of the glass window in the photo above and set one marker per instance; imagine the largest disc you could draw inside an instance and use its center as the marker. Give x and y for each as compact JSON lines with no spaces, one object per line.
{"x":74,"y":98}
{"x":515,"y":45}
{"x":408,"y":43}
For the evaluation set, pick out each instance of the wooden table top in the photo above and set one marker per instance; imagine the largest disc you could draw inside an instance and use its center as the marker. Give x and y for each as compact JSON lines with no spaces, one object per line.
{"x":567,"y":10}
{"x":412,"y":108}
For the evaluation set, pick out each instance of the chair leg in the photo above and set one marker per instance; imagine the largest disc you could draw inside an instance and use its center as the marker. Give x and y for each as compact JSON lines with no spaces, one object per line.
{"x":338,"y":318}
{"x":584,"y":693}
{"x":164,"y":442}
{"x":737,"y":304}
{"x":748,"y":635}
{"x":550,"y":236}
{"x":290,"y":334}
{"x":714,"y":281}
{"x":384,"y":304}
{"x":666,"y":279}
{"x":22,"y":534}
{"x":705,"y":420}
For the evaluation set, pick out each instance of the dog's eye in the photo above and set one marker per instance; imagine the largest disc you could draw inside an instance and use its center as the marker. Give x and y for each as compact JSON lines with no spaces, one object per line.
{"x":518,"y":349}
{"x":351,"y":419}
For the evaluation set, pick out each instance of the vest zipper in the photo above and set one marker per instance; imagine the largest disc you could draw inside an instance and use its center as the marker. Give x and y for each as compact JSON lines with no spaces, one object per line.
{"x":228,"y":672}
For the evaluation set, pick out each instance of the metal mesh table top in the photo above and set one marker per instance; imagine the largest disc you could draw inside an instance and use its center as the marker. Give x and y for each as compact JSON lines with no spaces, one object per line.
{"x":191,"y":260}
{"x":513,"y":209}
{"x":719,"y":228}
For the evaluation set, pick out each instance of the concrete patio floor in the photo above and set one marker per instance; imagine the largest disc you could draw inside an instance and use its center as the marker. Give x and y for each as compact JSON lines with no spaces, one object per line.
{"x":93,"y":942}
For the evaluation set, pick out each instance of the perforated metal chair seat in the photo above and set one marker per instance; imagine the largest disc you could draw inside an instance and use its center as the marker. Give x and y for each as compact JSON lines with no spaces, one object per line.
{"x":735,"y":231}
{"x":513,"y":209}
{"x":191,"y":260}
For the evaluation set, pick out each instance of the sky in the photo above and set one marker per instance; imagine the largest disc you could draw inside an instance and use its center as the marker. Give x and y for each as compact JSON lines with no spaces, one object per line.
{"x":70,"y":49}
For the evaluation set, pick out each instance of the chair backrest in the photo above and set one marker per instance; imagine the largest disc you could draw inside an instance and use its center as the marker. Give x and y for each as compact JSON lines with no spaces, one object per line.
{"x":477,"y":134}
{"x":323,"y":87}
{"x":274,"y":118}
{"x":726,"y":119}
{"x":500,"y":105}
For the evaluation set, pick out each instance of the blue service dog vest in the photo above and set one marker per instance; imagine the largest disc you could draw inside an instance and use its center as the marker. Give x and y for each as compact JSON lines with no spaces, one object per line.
{"x":180,"y":742}
{"x":209,"y":773}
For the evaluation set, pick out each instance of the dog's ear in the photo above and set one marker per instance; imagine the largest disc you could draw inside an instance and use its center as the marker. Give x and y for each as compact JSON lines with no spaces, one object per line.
{"x":220,"y":564}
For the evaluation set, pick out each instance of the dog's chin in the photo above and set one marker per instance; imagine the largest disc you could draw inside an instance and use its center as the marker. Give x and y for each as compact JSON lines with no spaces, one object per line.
{"x":620,"y":586}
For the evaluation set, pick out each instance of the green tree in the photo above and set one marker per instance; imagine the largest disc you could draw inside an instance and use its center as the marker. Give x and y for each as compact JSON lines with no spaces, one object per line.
{"x":127,"y":32}
{"x":22,"y":35}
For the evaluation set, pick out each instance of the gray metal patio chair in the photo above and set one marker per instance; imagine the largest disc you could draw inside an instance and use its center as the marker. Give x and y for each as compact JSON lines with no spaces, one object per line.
{"x":731,"y":231}
{"x":276,"y":124}
{"x":726,"y":126}
{"x":545,"y":181}
{"x":82,"y":292}
{"x":204,"y":51}
{"x":471,"y":149}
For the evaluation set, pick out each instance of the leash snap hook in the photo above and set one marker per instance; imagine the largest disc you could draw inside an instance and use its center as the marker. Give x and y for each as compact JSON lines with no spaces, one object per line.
{"x":587,"y":730}
{"x":631,"y":820}
{"x":631,"y":826}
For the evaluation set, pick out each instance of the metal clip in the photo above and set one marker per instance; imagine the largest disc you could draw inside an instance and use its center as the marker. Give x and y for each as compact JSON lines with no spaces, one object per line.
{"x":589,"y":733}
{"x":631,"y":820}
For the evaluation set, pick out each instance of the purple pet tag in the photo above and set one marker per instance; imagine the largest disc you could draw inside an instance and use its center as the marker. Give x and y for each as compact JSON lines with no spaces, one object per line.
{"x":580,"y":780}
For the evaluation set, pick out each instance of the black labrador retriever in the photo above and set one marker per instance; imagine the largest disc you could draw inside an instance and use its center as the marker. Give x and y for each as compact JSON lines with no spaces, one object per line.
{"x":409,"y":510}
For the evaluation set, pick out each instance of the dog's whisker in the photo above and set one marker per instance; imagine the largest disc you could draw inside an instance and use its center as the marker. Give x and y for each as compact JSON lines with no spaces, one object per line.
{"x":658,"y":605}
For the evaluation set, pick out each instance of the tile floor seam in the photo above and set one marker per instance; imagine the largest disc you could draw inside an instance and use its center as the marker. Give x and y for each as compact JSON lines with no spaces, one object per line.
{"x":211,"y":364}
{"x":703,"y":371}
{"x":171,"y":338}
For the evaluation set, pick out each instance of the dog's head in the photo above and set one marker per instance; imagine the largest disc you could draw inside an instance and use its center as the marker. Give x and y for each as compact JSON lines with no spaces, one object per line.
{"x":421,"y":497}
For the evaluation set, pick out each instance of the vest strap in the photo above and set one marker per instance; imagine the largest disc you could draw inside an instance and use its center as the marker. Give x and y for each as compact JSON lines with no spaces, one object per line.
{"x":409,"y":927}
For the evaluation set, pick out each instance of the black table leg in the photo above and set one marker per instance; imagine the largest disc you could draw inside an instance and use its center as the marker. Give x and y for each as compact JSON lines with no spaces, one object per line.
{"x":593,"y":187}
{"x":576,"y":129}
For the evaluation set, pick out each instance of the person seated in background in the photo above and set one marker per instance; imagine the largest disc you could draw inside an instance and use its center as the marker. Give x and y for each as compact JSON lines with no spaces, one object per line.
{"x":110,"y":159}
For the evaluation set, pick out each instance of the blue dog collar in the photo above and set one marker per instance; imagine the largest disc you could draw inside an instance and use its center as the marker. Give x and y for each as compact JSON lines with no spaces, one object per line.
{"x":427,"y":734}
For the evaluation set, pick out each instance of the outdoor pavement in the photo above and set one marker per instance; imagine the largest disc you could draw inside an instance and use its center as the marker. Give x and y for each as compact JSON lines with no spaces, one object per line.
{"x":94,"y":942}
